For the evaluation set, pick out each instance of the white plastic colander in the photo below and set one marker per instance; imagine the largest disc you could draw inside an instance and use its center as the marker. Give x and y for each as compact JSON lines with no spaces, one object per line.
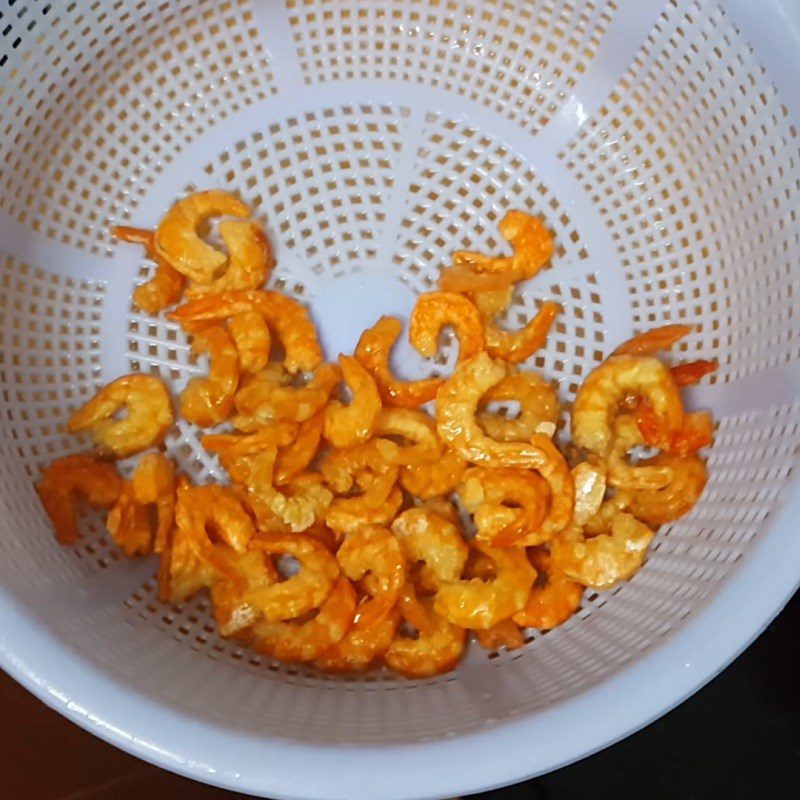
{"x":657,"y":138}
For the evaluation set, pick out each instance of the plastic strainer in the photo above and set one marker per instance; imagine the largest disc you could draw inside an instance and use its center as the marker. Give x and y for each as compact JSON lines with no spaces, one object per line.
{"x":658,"y":138}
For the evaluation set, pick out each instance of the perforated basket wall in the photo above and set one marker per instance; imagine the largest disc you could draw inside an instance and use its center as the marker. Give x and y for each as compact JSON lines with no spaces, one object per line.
{"x":373,"y":138}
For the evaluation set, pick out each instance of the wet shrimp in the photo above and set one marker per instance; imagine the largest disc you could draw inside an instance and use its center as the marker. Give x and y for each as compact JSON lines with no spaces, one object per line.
{"x":606,"y":559}
{"x":64,"y":479}
{"x":348,"y":425}
{"x":149,"y":415}
{"x":617,"y":378}
{"x":554,"y":598}
{"x":305,"y":641}
{"x":475,"y":603}
{"x":435,"y":478}
{"x":249,"y":263}
{"x":177,"y":241}
{"x":287,"y":318}
{"x":538,"y":405}
{"x":373,"y":351}
{"x":208,"y":401}
{"x":252,"y":338}
{"x":519,"y":345}
{"x":302,"y":592}
{"x":435,"y":310}
{"x":456,"y":407}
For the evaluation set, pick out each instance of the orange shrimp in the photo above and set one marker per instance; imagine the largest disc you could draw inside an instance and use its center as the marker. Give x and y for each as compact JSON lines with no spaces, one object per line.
{"x":208,"y":401}
{"x":373,"y":351}
{"x":652,"y":341}
{"x":692,"y":372}
{"x":695,"y":432}
{"x":348,"y":425}
{"x":94,"y":480}
{"x":410,"y":425}
{"x":153,"y":483}
{"x":434,"y":478}
{"x":554,"y":598}
{"x":294,"y":458}
{"x":517,"y":346}
{"x":252,"y":338}
{"x":435,"y":310}
{"x":348,"y":514}
{"x":363,"y":466}
{"x":505,"y":634}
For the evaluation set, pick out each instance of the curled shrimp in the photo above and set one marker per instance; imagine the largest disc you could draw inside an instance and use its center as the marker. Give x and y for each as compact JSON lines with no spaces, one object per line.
{"x":538,"y":404}
{"x":208,"y":401}
{"x":517,"y":346}
{"x":305,"y":641}
{"x":437,"y":647}
{"x":622,"y":474}
{"x":434,"y":478}
{"x":616,"y":379}
{"x":475,"y":603}
{"x":347,"y":515}
{"x":532,"y":247}
{"x":695,"y":432}
{"x":166,"y":285}
{"x":249,"y":262}
{"x":373,"y":351}
{"x":456,"y":407}
{"x":153,"y":483}
{"x":650,"y":342}
{"x":435,"y":310}
{"x":65,"y":478}
{"x":287,"y":318}
{"x":348,"y":425}
{"x":362,"y":466}
{"x":266,"y":396}
{"x":657,"y":506}
{"x":554,"y":598}
{"x":604,"y":560}
{"x":301,"y":503}
{"x":505,"y":501}
{"x":149,"y":415}
{"x":292,"y":459}
{"x":414,"y":428}
{"x":371,"y":553}
{"x":302,"y":592}
{"x":251,"y":336}
{"x":177,"y":241}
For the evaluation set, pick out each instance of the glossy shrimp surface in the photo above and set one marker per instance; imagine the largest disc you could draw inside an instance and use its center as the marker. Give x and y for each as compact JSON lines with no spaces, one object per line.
{"x":348,"y":425}
{"x":437,"y":310}
{"x":148,"y":414}
{"x":554,"y":598}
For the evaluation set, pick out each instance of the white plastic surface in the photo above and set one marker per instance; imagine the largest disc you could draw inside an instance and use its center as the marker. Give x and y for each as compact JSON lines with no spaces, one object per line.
{"x":658,"y":139}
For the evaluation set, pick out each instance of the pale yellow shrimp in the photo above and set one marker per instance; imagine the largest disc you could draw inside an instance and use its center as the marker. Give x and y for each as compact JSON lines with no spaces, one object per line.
{"x":94,"y":480}
{"x":590,"y":488}
{"x":538,"y":406}
{"x":287,"y":318}
{"x":519,"y":345}
{"x":475,"y":603}
{"x":435,"y":310}
{"x":348,"y":425}
{"x":149,"y":415}
{"x":554,"y":598}
{"x":346,"y":515}
{"x":265,"y":396}
{"x":657,"y":506}
{"x":490,"y":304}
{"x":532,"y":247}
{"x":233,"y":612}
{"x":616,"y":379}
{"x":177,"y":240}
{"x":153,"y":483}
{"x":251,"y":336}
{"x":456,"y":407}
{"x":504,"y":501}
{"x":604,"y":560}
{"x":412,"y":426}
{"x":250,"y":259}
{"x":166,"y":285}
{"x":305,"y":641}
{"x":373,"y":351}
{"x":304,"y":501}
{"x":208,"y":401}
{"x":622,"y":474}
{"x":434,"y":478}
{"x":128,"y":523}
{"x":430,"y":538}
{"x":302,"y":592}
{"x":436,"y":649}
{"x":294,"y":458}
{"x":362,"y":466}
